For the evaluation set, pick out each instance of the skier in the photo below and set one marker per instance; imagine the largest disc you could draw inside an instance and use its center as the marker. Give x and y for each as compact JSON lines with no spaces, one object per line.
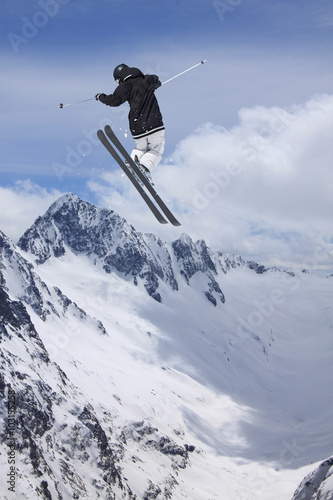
{"x":145,"y":118}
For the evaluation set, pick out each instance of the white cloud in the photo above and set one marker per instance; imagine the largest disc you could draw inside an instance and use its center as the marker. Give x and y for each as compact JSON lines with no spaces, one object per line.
{"x":262,"y":189}
{"x":21,"y":205}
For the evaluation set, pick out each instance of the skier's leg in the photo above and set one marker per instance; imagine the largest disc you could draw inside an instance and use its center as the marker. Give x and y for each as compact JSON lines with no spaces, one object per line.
{"x":141,"y":147}
{"x":153,"y":154}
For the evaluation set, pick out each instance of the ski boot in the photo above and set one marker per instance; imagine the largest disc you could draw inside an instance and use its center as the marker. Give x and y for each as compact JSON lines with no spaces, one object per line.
{"x":139,"y":181}
{"x":144,"y":170}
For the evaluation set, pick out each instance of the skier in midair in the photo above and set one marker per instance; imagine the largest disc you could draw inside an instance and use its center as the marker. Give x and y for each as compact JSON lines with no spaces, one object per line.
{"x":145,"y":118}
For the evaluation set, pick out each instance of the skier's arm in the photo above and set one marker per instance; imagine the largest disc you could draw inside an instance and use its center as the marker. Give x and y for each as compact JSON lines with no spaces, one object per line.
{"x":119,"y":96}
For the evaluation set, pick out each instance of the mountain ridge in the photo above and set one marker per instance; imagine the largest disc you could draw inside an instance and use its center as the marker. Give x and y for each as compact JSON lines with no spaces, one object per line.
{"x":99,"y":233}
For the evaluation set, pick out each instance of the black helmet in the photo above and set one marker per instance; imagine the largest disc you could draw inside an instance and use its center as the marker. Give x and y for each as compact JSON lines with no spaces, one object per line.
{"x":117,"y":70}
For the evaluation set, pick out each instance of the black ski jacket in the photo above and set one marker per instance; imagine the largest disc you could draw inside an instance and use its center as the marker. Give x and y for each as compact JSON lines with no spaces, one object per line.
{"x":137,"y":89}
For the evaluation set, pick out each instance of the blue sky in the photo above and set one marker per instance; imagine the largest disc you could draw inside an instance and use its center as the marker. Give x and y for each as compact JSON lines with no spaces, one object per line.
{"x":260,"y":55}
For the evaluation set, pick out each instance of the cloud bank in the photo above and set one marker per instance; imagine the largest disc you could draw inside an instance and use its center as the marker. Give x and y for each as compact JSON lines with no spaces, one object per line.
{"x":21,"y":205}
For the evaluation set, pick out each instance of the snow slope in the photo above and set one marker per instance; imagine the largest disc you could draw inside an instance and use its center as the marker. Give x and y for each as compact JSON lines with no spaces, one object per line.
{"x":214,"y":384}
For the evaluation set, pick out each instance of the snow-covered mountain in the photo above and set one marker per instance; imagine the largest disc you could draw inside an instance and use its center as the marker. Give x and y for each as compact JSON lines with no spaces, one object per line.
{"x":317,"y":484}
{"x":115,"y":247}
{"x":135,"y":368}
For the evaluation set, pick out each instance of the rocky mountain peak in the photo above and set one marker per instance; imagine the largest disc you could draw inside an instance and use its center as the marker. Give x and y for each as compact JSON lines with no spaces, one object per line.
{"x":74,"y":225}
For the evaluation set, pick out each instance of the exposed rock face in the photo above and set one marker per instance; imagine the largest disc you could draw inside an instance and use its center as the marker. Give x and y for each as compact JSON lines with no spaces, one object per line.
{"x":114,"y":245}
{"x":318,"y":485}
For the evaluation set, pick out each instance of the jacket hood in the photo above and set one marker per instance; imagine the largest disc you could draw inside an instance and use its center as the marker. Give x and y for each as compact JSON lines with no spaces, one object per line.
{"x":129,"y":73}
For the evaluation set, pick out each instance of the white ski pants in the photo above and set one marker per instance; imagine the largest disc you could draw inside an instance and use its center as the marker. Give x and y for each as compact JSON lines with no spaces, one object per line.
{"x":149,"y":149}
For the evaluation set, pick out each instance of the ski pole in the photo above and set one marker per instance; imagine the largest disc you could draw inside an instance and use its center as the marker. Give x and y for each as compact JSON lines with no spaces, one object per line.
{"x":176,"y":76}
{"x":189,"y":69}
{"x":61,"y":105}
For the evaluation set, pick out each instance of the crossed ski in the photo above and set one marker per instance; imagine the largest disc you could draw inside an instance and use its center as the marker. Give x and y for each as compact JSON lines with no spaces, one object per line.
{"x":112,"y":144}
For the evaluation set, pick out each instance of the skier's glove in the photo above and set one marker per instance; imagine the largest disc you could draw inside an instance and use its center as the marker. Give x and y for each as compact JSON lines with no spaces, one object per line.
{"x":97,"y":96}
